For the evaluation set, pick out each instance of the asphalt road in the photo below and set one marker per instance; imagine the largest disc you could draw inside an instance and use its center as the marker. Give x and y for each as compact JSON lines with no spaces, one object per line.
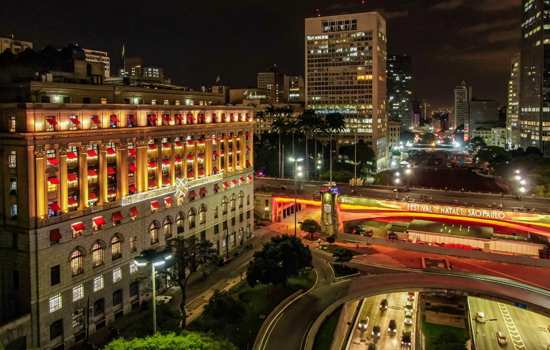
{"x":395,"y":311}
{"x":524,"y":330}
{"x":482,"y":200}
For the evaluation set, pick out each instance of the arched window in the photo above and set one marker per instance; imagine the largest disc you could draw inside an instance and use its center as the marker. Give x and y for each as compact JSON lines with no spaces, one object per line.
{"x":154,"y":232}
{"x":233,"y":202}
{"x":167,"y":227}
{"x":216,"y":212}
{"x":241,"y":199}
{"x":202,"y":214}
{"x":116,"y":247}
{"x":98,"y":253}
{"x":76,"y":262}
{"x":180,"y":223}
{"x":225,"y":202}
{"x":191,"y":218}
{"x":247,"y":199}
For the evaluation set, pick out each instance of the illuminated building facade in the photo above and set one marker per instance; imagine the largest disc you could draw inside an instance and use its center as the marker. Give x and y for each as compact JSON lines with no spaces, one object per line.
{"x":534,"y":96}
{"x":345,"y":65}
{"x":400,"y":89}
{"x":512,"y":109}
{"x":272,"y":82}
{"x":294,"y":88}
{"x":87,"y":187}
{"x":463,"y":96}
{"x":96,"y":56}
{"x":15,"y":46}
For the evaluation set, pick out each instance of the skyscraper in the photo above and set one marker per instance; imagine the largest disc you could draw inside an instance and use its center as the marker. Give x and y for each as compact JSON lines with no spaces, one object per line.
{"x":345,"y":65}
{"x":400,"y":89}
{"x":463,"y":96}
{"x":272,"y":81}
{"x":99,"y":57}
{"x":512,"y":110}
{"x":534,"y":89}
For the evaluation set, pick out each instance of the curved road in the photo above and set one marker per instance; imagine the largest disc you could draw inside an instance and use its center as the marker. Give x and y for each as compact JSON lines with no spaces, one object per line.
{"x":290,"y":329}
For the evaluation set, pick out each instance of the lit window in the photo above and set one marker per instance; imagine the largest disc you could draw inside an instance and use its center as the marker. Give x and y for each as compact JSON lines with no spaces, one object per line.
{"x":98,"y":283}
{"x":77,"y":262}
{"x":133,"y":267}
{"x":12,"y":159}
{"x":117,"y":274}
{"x":56,"y":303}
{"x":13,"y":210}
{"x":12,"y":124}
{"x":98,"y":253}
{"x":78,"y":292}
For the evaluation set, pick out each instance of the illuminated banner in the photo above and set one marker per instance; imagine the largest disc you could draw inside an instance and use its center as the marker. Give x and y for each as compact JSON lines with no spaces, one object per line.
{"x":456,"y":211}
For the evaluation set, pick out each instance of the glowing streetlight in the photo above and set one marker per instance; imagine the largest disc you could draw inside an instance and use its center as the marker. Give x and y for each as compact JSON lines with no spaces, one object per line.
{"x":397,"y":174}
{"x":522,"y":189}
{"x":523,"y":182}
{"x":517,"y":171}
{"x":518,"y":177}
{"x":408,"y":171}
{"x":397,"y":181}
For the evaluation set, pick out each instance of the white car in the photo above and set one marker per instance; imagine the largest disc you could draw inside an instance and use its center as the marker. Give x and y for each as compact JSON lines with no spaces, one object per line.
{"x":408,"y":321}
{"x":480,"y":317}
{"x":501,"y":339}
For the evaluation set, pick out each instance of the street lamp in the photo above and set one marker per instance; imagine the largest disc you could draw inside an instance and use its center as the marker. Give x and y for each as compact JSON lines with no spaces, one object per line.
{"x":298,"y":174}
{"x":156,"y":259}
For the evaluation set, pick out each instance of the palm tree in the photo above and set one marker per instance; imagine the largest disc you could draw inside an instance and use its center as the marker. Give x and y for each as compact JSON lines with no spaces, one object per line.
{"x":309,"y":123}
{"x":283,"y":124}
{"x":332,"y":123}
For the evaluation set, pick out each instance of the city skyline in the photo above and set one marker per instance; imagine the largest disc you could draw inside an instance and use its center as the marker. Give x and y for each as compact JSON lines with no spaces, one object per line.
{"x":455,"y":39}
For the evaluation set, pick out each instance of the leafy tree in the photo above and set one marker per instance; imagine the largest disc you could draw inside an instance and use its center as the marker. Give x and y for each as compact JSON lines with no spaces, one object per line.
{"x":342,"y":255}
{"x":310,"y":226}
{"x":427,"y":138}
{"x":282,"y":257}
{"x":222,"y":308}
{"x":171,"y":341}
{"x":406,"y":136}
{"x":477,"y":143}
{"x":190,"y":254}
{"x":309,"y":124}
{"x":493,"y":155}
{"x":449,"y":341}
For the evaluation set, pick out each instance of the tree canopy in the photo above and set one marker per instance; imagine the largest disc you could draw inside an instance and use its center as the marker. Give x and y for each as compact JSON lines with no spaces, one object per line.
{"x":281,"y":258}
{"x":342,"y":255}
{"x":171,"y":341}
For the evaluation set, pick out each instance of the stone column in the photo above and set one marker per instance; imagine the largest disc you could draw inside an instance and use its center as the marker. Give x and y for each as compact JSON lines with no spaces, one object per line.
{"x":83,"y":176}
{"x":251,"y":142}
{"x":122,"y":170}
{"x":172,"y":162}
{"x":219,"y":157}
{"x":159,"y":165}
{"x":41,"y":184}
{"x":63,"y":181}
{"x":184,"y":158}
{"x":243,"y":144}
{"x":196,"y":160}
{"x":208,"y":157}
{"x":102,"y":176}
{"x":225,"y":153}
{"x":141,"y":164}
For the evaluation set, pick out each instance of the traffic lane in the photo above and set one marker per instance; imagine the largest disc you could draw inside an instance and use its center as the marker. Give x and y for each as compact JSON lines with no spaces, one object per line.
{"x":484,"y":334}
{"x":534,"y":328}
{"x":290,"y":329}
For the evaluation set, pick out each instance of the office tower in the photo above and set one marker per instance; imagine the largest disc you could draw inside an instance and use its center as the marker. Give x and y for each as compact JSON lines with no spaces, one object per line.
{"x":13,"y":45}
{"x":345,"y":65}
{"x":400,"y":89}
{"x":102,"y":57}
{"x":294,"y":89}
{"x":463,"y":96}
{"x":272,"y":81}
{"x":90,"y":185}
{"x":534,"y":99}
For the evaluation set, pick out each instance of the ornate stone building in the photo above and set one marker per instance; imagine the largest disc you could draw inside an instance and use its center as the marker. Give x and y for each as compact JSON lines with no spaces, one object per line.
{"x":87,"y":187}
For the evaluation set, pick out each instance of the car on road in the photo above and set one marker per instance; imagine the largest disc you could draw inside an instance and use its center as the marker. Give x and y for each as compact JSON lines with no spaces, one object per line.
{"x":408,"y":321}
{"x":410,"y":296}
{"x":383,"y":304}
{"x":406,"y":341}
{"x":371,"y":346}
{"x":408,"y":313}
{"x":375,"y":332}
{"x":362,"y":325}
{"x":392,"y":327}
{"x":409,"y":305}
{"x":480,"y":317}
{"x":501,"y":339}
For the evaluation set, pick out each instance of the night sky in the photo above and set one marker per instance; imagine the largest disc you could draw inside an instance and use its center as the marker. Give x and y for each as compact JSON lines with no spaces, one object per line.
{"x":450,"y":40}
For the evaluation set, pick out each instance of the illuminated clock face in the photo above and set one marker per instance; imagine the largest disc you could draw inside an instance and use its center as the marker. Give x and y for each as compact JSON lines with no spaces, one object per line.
{"x":181,"y":188}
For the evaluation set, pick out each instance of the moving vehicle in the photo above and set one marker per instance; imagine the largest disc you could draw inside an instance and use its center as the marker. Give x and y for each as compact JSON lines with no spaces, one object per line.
{"x":480,"y":317}
{"x":406,"y":342}
{"x":392,"y":327}
{"x":501,"y":339}
{"x":384,"y":305}
{"x":408,"y":321}
{"x":375,"y":331}
{"x":362,"y":325}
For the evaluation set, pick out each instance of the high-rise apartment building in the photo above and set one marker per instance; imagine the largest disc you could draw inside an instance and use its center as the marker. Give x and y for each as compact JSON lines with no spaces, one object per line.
{"x":99,"y":57}
{"x":512,"y":108}
{"x":88,"y":186}
{"x":534,"y":89}
{"x":463,"y":96}
{"x":294,"y":89}
{"x":13,"y":45}
{"x":345,"y":66}
{"x":400,"y":89}
{"x":272,"y":81}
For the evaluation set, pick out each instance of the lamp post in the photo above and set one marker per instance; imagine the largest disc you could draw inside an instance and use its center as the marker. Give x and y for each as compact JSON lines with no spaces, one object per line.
{"x":298,"y":174}
{"x":155,"y":259}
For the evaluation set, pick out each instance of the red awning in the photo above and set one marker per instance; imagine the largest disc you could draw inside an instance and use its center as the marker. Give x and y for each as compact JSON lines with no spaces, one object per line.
{"x":72,"y":201}
{"x":72,"y":177}
{"x":78,"y":226}
{"x":200,"y":155}
{"x":132,"y":167}
{"x":53,"y":180}
{"x":201,"y":172}
{"x":242,"y":179}
{"x":53,"y":161}
{"x":166,"y":161}
{"x":152,"y":146}
{"x":92,"y":196}
{"x":152,"y":164}
{"x":54,"y":206}
{"x":155,"y":205}
{"x":190,"y":174}
{"x":225,"y":184}
{"x":99,"y":220}
{"x":190,"y":156}
{"x":166,"y":117}
{"x":178,"y":116}
{"x":92,"y":172}
{"x":152,"y":117}
{"x":168,"y":201}
{"x":111,"y":150}
{"x":51,"y":121}
{"x":132,"y":152}
{"x":203,"y":190}
{"x":215,"y":153}
{"x":178,"y":144}
{"x":249,"y":177}
{"x":55,"y":235}
{"x":132,"y":188}
{"x":134,"y":212}
{"x":248,"y":147}
{"x":192,"y":194}
{"x":166,"y":181}
{"x":95,"y":119}
{"x":75,"y":120}
{"x":114,"y":118}
{"x":117,"y":216}
{"x":235,"y":181}
{"x":111,"y":171}
{"x":152,"y":183}
{"x":71,"y":155}
{"x":178,"y":159}
{"x":92,"y":153}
